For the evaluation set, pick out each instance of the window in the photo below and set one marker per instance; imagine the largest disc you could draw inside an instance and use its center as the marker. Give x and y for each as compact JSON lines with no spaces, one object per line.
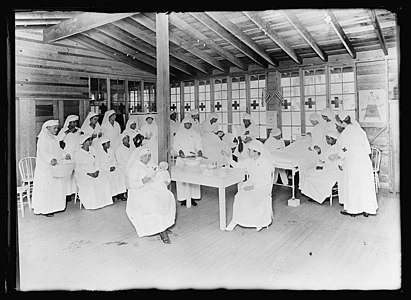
{"x":98,"y":94}
{"x":149,"y":97}
{"x":204,"y":95}
{"x":134,"y":91}
{"x":189,"y":102}
{"x":315,"y":95}
{"x":175,"y":98}
{"x":342,"y":93}
{"x":117,"y":97}
{"x":220,"y":101}
{"x":257,"y":102}
{"x":238,"y":99}
{"x":291,"y":110}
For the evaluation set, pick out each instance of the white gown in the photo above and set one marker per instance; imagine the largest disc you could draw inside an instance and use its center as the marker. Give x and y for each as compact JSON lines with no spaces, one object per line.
{"x":151,"y":130}
{"x":49,"y":193}
{"x":253,"y":208}
{"x":94,"y":193}
{"x":151,"y":207}
{"x":117,"y":179}
{"x":358,"y":181}
{"x":273,"y":144}
{"x":112,"y":132}
{"x":122,"y":155}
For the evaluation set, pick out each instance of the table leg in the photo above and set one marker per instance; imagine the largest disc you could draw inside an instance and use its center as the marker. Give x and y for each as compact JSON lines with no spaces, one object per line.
{"x":188,"y":193}
{"x":221,"y":203}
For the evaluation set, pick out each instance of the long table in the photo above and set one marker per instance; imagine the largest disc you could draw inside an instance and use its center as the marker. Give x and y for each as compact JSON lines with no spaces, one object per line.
{"x":219,"y":178}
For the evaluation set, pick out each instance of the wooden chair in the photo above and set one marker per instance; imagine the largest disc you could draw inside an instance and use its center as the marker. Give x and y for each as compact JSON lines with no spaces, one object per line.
{"x":376,"y":161}
{"x":334,"y":192}
{"x":27,"y":166}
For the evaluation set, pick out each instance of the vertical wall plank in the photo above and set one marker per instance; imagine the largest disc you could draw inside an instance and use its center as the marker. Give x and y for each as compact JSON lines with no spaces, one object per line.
{"x":163,"y":85}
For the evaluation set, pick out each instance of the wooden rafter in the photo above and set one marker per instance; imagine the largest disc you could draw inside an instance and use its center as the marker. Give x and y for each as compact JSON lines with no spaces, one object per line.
{"x":150,"y":24}
{"x":259,"y":21}
{"x":79,"y":24}
{"x":221,"y":31}
{"x":378,"y":31}
{"x":138,"y":47}
{"x":127,"y":25}
{"x":340,"y":32}
{"x":179,"y":23}
{"x":234,"y":30}
{"x":106,"y":50}
{"x":291,"y":17}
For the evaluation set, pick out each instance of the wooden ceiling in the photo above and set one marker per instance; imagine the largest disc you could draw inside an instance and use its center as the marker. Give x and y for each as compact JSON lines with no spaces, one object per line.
{"x":214,"y":42}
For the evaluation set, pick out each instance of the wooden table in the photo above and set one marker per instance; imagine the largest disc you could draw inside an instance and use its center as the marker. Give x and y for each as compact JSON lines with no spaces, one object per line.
{"x":219,"y":178}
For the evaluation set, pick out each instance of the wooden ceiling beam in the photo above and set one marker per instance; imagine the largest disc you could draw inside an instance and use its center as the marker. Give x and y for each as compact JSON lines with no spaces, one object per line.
{"x":137,"y":47}
{"x":378,"y":30}
{"x":127,"y":25}
{"x":263,"y":25}
{"x":79,"y":24}
{"x":340,"y":32}
{"x":97,"y":46}
{"x":234,"y":30}
{"x":221,"y":31}
{"x":150,"y":24}
{"x":291,"y":17}
{"x":179,"y":23}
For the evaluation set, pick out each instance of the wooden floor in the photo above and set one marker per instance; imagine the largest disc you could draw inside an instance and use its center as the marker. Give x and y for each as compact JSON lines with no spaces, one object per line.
{"x":309,"y":247}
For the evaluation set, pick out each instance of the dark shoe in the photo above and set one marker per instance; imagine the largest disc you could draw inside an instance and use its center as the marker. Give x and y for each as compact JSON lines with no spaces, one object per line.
{"x":344,"y":212}
{"x":183,"y":203}
{"x":168,"y":231}
{"x":193,"y":203}
{"x":365,"y":214}
{"x":164,"y":237}
{"x":49,"y":215}
{"x":68,"y":198}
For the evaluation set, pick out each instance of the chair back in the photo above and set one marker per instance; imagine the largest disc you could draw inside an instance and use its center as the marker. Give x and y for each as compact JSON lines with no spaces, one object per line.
{"x":26,"y":168}
{"x":376,"y":159}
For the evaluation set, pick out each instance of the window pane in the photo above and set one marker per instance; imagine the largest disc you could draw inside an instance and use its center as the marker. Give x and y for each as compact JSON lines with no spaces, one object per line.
{"x":286,"y":118}
{"x":320,"y":89}
{"x":295,"y":91}
{"x":295,"y":79}
{"x":309,"y":90}
{"x":348,"y":88}
{"x":286,"y":132}
{"x":321,"y":102}
{"x":336,"y":88}
{"x":335,"y":75}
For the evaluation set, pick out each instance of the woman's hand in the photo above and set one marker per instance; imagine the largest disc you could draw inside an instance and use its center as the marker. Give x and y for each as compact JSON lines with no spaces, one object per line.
{"x":181,"y":154}
{"x":146,"y":179}
{"x":112,"y":169}
{"x":94,"y":135}
{"x":53,"y":162}
{"x":200,"y":153}
{"x":100,"y":134}
{"x":94,"y":174}
{"x":68,"y":157}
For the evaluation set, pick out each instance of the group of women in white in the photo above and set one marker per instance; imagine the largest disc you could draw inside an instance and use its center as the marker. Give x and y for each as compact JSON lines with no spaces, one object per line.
{"x":111,"y":164}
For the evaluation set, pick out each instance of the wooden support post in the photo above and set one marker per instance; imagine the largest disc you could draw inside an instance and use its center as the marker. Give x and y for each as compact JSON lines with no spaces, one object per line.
{"x":163,"y":86}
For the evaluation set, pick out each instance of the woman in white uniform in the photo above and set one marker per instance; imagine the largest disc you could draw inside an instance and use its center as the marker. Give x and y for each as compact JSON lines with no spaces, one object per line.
{"x":253,"y":204}
{"x":246,"y":132}
{"x":107,"y":165}
{"x":92,"y":127}
{"x":151,"y":207}
{"x":150,"y":132}
{"x":275,"y":142}
{"x":321,"y":179}
{"x":49,"y":193}
{"x":93,"y":185}
{"x":186,"y":142}
{"x":358,"y":188}
{"x":111,"y":128}
{"x":70,"y":136}
{"x":122,"y":154}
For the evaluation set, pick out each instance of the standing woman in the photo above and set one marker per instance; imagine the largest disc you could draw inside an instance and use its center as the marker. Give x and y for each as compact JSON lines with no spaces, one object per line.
{"x":49,"y":193}
{"x":150,"y":132}
{"x":69,"y":136}
{"x":122,"y":154}
{"x":111,"y":128}
{"x":275,"y":142}
{"x":246,"y":132}
{"x":186,"y":142}
{"x":93,"y":185}
{"x":151,"y":207}
{"x":252,"y":203}
{"x":358,"y":188}
{"x":92,"y":127}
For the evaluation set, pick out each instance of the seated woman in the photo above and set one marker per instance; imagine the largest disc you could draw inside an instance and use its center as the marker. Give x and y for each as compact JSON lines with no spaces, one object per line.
{"x":320,"y":180}
{"x":274,"y":142}
{"x":93,"y":185}
{"x":252,"y":203}
{"x":213,"y":147}
{"x":107,"y":165}
{"x":49,"y":193}
{"x":151,"y":207}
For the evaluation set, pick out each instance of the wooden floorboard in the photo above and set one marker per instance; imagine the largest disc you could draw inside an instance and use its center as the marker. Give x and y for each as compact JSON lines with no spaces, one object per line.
{"x":310,"y":247}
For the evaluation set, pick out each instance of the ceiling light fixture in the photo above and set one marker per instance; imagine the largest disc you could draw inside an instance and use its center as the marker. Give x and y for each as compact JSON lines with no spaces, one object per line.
{"x":327,"y":19}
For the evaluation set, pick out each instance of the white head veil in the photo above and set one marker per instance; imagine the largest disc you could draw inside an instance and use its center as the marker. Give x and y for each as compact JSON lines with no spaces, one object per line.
{"x":135,"y":156}
{"x":83,"y":138}
{"x":275,"y":132}
{"x":333,"y":133}
{"x":44,"y":131}
{"x":69,"y":119}
{"x":87,"y":120}
{"x":107,"y":115}
{"x":257,"y":145}
{"x":328,"y":112}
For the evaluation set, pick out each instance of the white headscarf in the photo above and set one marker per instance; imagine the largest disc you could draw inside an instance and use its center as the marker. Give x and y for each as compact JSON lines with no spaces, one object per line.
{"x":316,"y":117}
{"x":333,"y":133}
{"x":83,"y":138}
{"x":69,"y":119}
{"x":194,"y":111}
{"x":44,"y":131}
{"x":328,"y":112}
{"x":107,"y":115}
{"x":275,"y":132}
{"x":104,"y":139}
{"x":258,"y":146}
{"x":87,"y":120}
